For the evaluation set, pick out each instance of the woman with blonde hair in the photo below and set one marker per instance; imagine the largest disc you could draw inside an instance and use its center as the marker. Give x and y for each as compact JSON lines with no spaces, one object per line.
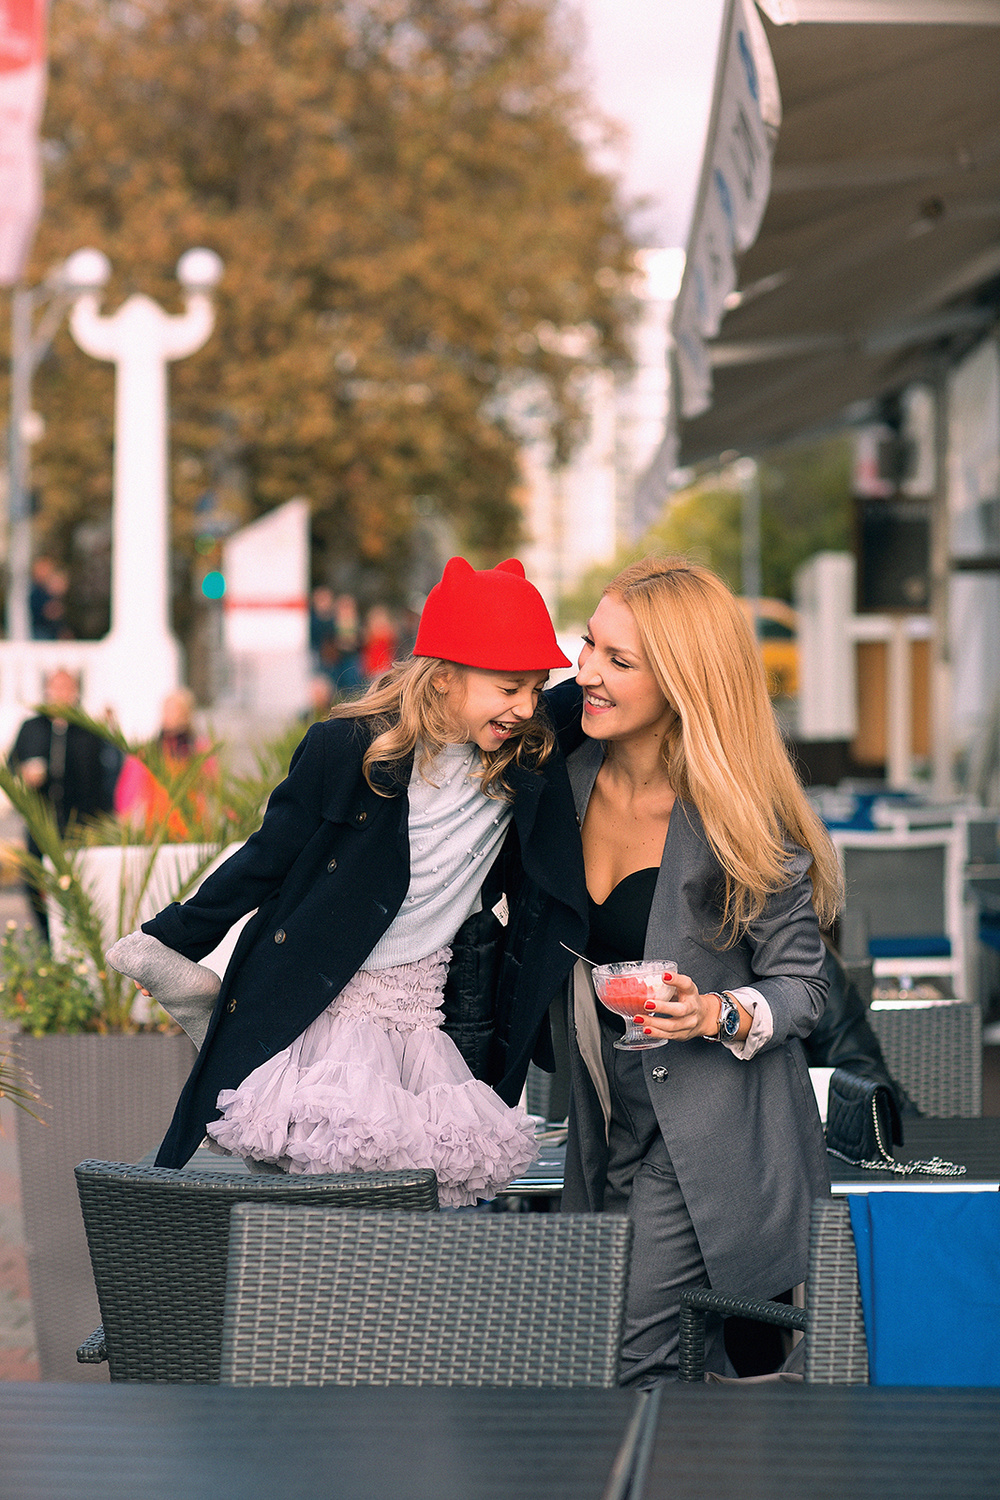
{"x":414,"y":879}
{"x":699,"y":846}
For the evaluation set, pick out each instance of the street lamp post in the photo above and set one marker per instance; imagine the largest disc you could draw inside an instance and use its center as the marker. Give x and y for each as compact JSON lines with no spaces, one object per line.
{"x":140,"y":339}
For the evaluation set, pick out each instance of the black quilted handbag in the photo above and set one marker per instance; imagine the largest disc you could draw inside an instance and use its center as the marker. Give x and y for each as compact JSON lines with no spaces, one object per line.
{"x":863,"y":1124}
{"x":862,"y":1120}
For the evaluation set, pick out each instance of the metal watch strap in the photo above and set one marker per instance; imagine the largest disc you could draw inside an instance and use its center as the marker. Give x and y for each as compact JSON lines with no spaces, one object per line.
{"x":725,"y":1001}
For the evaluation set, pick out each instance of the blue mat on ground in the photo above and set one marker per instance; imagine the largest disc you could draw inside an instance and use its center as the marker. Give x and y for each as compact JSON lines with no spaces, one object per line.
{"x":929,"y":1269}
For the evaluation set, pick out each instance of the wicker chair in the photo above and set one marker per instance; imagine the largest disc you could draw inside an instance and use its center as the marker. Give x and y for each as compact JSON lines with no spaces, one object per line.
{"x":316,"y":1298}
{"x":832,"y":1320}
{"x":158,"y":1241}
{"x":936,"y":1052}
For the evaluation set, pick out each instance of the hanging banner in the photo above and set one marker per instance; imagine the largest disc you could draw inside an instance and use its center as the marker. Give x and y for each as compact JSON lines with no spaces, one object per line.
{"x":733,"y":193}
{"x":22,"y":96}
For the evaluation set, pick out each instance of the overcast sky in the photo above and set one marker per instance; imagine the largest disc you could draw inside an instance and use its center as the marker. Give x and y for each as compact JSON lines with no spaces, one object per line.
{"x":649,"y":65}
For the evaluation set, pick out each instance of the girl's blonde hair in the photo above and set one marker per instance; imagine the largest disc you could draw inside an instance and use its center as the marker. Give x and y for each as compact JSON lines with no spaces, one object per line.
{"x":409,"y":712}
{"x":723,"y":751}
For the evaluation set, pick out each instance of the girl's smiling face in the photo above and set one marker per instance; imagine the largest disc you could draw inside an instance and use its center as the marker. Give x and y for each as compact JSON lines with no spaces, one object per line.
{"x":488,"y":707}
{"x":621,"y":696}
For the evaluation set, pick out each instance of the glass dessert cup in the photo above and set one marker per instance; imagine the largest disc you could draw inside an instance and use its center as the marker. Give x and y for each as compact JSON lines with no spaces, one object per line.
{"x":625,"y":988}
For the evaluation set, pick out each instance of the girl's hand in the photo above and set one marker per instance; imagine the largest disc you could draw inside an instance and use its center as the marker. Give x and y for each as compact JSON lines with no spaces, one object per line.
{"x":691,"y":1014}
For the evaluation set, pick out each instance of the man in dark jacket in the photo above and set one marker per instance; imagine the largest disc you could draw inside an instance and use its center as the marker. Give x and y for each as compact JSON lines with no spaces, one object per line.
{"x":64,"y":763}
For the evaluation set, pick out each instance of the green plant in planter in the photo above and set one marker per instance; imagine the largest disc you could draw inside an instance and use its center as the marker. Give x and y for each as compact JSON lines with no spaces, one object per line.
{"x":15,"y":1085}
{"x":40,"y":992}
{"x":200,"y":803}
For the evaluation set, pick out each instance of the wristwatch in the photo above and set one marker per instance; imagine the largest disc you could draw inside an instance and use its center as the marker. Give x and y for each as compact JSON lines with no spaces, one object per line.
{"x":729,"y":1019}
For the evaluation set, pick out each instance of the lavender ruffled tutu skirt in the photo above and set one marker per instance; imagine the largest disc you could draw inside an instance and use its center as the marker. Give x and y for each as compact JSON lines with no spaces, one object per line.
{"x":374,"y":1084}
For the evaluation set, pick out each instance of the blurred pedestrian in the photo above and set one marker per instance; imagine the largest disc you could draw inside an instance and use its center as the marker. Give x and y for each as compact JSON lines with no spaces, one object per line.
{"x":378,"y":650}
{"x":322,"y":622}
{"x":340,"y":654}
{"x":141,"y":797}
{"x":65,"y":764}
{"x":47,"y":601}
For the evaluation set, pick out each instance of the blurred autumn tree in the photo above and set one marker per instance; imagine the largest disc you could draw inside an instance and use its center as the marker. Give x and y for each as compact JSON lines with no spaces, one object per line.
{"x":408,"y":221}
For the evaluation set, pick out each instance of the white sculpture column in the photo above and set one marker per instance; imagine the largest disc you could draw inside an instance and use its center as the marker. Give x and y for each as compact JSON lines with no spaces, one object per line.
{"x":141,"y":656}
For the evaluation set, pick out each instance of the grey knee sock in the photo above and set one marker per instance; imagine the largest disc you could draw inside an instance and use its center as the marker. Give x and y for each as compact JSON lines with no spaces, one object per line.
{"x":187,"y":991}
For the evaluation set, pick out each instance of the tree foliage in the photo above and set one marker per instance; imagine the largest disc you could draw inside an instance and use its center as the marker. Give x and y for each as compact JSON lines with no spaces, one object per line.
{"x":806,"y":507}
{"x":408,"y":219}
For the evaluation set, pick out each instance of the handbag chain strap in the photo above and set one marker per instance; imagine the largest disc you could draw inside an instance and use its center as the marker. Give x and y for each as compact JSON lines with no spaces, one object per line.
{"x":935,"y":1166}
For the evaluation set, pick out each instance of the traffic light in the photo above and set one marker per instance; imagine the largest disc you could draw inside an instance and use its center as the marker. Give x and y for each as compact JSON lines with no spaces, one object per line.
{"x":213,"y":585}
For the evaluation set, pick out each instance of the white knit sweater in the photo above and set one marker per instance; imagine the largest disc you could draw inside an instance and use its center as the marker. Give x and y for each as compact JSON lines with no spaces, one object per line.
{"x":455,"y":830}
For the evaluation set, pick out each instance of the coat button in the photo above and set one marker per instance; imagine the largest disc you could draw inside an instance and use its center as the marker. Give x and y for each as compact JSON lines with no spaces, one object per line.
{"x":332,"y":865}
{"x":232,"y":1005}
{"x":659,"y":1074}
{"x":279,"y":936}
{"x":362,"y":817}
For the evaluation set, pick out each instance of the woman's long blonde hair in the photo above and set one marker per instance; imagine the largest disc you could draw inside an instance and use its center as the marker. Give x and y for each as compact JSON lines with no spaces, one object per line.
{"x":724,"y":752}
{"x":408,"y":712}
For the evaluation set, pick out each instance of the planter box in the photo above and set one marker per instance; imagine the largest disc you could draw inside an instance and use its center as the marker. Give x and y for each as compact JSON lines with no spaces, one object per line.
{"x":113,"y":875}
{"x":107,"y":1097}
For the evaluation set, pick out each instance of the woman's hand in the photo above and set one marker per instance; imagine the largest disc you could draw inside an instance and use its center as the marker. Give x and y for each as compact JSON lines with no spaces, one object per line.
{"x":691,"y":1014}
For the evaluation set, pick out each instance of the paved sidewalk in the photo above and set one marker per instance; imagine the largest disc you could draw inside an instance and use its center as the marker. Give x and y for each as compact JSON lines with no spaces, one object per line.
{"x":18,"y":1356}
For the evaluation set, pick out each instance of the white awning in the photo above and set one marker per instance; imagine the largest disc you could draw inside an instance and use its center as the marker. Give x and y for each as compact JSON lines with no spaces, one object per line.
{"x":877,"y":256}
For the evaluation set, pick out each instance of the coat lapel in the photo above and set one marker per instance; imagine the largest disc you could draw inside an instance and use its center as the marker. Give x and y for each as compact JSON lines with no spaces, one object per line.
{"x":583,"y":765}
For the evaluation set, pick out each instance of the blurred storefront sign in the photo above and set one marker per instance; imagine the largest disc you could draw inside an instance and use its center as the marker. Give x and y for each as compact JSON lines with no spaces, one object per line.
{"x":266,"y":612}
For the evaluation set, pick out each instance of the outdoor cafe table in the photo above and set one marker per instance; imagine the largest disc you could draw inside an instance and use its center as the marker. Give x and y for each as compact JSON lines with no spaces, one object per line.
{"x":973,"y":1143}
{"x":799,"y":1442}
{"x":183,"y":1442}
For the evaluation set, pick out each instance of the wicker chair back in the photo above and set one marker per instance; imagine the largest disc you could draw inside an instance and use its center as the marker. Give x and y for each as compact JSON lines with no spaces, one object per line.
{"x":836,"y":1350}
{"x":316,"y":1298}
{"x":158,"y":1239}
{"x":936,"y":1052}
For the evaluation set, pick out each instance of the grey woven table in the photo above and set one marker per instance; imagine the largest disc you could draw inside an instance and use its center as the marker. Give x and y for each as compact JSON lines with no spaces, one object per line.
{"x":973,"y":1142}
{"x":174,"y":1442}
{"x":783,"y":1442}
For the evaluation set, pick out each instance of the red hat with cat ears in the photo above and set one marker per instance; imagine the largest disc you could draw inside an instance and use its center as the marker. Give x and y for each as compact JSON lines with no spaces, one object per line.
{"x":494,"y":619}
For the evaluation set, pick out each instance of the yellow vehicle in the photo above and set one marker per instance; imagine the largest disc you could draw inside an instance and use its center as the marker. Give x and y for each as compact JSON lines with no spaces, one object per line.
{"x":777,"y":632}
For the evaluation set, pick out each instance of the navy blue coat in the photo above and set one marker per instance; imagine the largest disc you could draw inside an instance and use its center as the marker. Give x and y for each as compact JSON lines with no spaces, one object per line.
{"x":327,"y":872}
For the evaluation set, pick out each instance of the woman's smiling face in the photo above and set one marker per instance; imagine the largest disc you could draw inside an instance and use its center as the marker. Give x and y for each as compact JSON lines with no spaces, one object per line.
{"x":621,"y":696}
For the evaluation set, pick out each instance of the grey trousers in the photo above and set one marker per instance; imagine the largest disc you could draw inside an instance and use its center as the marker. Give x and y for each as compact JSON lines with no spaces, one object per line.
{"x":666,"y":1256}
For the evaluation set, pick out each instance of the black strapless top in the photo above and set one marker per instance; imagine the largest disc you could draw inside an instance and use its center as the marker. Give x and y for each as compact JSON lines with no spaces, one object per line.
{"x":618,"y":924}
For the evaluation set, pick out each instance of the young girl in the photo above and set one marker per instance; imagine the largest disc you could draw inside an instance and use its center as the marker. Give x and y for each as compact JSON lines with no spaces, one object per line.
{"x":432,"y":816}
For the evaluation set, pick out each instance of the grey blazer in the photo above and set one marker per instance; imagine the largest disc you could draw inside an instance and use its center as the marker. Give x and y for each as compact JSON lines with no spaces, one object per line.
{"x":745,"y":1138}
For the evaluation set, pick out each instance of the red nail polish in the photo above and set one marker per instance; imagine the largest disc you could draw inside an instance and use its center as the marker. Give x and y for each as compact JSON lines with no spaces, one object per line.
{"x":650,"y":1005}
{"x":647,"y":1031}
{"x":667,"y":978}
{"x":638,"y":1020}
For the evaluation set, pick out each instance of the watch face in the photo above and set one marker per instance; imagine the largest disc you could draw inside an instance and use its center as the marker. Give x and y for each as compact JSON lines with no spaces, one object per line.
{"x":731,"y":1020}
